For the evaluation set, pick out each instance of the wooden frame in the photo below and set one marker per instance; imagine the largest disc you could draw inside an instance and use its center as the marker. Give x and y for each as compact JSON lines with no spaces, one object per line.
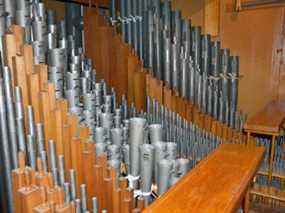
{"x":255,"y":4}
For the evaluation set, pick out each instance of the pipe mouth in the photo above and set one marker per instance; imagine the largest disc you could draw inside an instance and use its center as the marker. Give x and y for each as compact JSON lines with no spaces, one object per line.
{"x":99,"y":129}
{"x":100,"y":144}
{"x":106,"y":114}
{"x":147,"y":146}
{"x":182,"y":161}
{"x":155,"y":126}
{"x":171,"y":144}
{"x":159,"y":144}
{"x":166,"y":163}
{"x":116,"y":129}
{"x":138,"y":120}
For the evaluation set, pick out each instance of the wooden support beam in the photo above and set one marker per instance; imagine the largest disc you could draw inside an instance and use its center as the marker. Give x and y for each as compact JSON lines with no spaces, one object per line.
{"x":58,"y":132}
{"x":42,"y":70}
{"x":67,"y":147}
{"x":20,"y":78}
{"x":34,"y":85}
{"x":212,"y":17}
{"x":45,"y":111}
{"x":29,"y":58}
{"x":19,"y":34}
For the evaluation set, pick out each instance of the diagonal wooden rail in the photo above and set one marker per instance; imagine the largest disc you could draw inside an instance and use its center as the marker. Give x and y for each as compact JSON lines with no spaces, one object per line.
{"x":219,"y":183}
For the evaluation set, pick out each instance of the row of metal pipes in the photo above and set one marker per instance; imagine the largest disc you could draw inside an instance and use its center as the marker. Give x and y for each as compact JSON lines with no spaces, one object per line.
{"x":189,"y":62}
{"x":151,"y":149}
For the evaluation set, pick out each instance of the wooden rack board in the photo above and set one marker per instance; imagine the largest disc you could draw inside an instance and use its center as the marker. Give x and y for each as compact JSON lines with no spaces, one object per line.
{"x":268,"y":121}
{"x":219,"y":183}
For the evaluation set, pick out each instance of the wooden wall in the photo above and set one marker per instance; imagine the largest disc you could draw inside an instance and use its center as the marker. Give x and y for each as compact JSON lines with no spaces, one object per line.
{"x":257,"y":37}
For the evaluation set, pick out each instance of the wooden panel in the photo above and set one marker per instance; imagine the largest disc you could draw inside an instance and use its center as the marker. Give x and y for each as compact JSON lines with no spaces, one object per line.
{"x":21,"y":78}
{"x":29,"y":58}
{"x":167,"y":98}
{"x":121,"y":77}
{"x":133,"y":65}
{"x":18,"y":32}
{"x":217,"y":184}
{"x":212,"y":17}
{"x":257,"y":47}
{"x":254,"y":4}
{"x":10,"y":49}
{"x":268,"y":119}
{"x":140,"y":90}
{"x":34,"y":80}
{"x":193,"y":9}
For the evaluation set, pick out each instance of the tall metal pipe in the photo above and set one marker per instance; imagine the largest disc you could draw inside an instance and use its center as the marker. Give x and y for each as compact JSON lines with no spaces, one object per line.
{"x":40,"y":138}
{"x":175,"y":65}
{"x":136,"y":138}
{"x":164,"y":171}
{"x":52,"y":161}
{"x":166,"y":76}
{"x":157,"y":69}
{"x":61,"y":170}
{"x":11,"y":116}
{"x":31,"y":151}
{"x":83,"y":197}
{"x":72,"y":178}
{"x":31,"y":125}
{"x":159,"y":154}
{"x":20,"y":119}
{"x":155,"y":133}
{"x":147,"y":162}
{"x":234,"y":63}
{"x":94,"y":205}
{"x":5,"y":150}
{"x":66,"y":190}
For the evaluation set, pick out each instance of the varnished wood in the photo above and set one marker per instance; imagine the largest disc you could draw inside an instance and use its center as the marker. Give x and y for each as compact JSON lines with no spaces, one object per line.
{"x":42,"y":70}
{"x":268,"y":120}
{"x":34,"y":82}
{"x":89,"y":179}
{"x":45,"y":116}
{"x":212,"y":17}
{"x":30,"y":198}
{"x":271,"y":192}
{"x":67,"y":146}
{"x":21,"y":78}
{"x":140,"y":90}
{"x":18,"y":32}
{"x":58,"y":126}
{"x":43,"y":208}
{"x":217,"y":184}
{"x":29,"y":58}
{"x":10,"y":51}
{"x":133,"y":65}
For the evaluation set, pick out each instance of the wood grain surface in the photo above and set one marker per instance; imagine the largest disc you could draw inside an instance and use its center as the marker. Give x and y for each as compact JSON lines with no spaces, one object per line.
{"x":217,"y":184}
{"x":268,"y":120}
